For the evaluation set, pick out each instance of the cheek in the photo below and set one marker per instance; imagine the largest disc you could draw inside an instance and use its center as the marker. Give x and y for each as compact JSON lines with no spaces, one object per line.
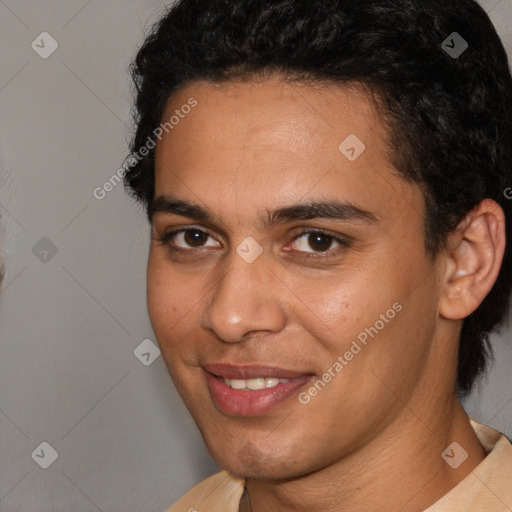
{"x":160,"y":299}
{"x":170,"y":301}
{"x":168,"y":310}
{"x":375,"y":317}
{"x":336,"y":309}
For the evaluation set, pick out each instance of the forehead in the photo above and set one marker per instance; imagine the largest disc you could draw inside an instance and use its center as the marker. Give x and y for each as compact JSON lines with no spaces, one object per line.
{"x":271,"y":141}
{"x":276,"y":113}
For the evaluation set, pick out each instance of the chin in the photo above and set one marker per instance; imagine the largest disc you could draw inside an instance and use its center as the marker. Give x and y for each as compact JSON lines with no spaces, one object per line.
{"x":259,"y":461}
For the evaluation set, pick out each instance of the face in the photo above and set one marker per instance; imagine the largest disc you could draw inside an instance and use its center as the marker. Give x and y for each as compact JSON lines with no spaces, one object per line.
{"x":288,"y":284}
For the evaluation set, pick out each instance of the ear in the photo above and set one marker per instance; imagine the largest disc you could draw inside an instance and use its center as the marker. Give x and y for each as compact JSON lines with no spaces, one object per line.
{"x":474,"y":253}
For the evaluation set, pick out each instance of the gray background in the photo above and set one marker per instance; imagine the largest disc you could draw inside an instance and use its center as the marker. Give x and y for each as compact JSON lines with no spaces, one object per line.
{"x":71,"y":320}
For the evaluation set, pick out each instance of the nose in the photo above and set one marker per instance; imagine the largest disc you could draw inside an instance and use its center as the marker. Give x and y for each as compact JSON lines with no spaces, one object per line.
{"x":246,"y":299}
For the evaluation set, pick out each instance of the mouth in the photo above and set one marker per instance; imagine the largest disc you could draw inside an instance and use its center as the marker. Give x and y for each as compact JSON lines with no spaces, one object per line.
{"x":252,"y":390}
{"x":254,"y":384}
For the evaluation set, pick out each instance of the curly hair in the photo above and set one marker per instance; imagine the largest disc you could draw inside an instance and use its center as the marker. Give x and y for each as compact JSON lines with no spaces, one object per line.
{"x":448,"y":116}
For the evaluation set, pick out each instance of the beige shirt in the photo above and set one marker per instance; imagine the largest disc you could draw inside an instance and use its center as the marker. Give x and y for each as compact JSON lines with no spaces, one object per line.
{"x":487,"y":489}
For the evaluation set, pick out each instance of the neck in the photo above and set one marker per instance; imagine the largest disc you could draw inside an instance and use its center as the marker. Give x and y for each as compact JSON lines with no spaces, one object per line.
{"x":372,"y":478}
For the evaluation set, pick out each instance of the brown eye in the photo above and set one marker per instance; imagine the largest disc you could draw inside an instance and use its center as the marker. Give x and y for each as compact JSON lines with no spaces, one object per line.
{"x":195,"y":237}
{"x":318,"y":242}
{"x":188,"y":238}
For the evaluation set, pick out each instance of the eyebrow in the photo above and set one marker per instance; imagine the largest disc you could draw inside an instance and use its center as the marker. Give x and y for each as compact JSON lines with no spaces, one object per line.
{"x":338,"y":210}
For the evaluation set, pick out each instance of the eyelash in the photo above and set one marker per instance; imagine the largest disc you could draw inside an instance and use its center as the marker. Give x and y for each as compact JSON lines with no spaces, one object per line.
{"x":330,"y":253}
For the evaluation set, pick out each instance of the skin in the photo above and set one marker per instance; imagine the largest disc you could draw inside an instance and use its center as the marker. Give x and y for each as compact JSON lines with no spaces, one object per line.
{"x":372,"y":438}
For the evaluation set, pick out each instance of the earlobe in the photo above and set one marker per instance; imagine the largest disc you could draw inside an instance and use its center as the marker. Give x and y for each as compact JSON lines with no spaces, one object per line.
{"x":474,"y":255}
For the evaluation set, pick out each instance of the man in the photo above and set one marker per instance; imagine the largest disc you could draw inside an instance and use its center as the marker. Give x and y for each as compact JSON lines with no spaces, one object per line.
{"x":325,"y":184}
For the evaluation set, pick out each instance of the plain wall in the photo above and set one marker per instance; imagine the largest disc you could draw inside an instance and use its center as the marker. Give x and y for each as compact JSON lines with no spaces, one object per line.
{"x":72,"y":309}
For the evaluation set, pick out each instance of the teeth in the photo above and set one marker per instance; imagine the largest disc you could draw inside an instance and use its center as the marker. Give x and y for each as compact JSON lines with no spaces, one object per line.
{"x":271,"y":382}
{"x":254,"y":384}
{"x":238,"y":384}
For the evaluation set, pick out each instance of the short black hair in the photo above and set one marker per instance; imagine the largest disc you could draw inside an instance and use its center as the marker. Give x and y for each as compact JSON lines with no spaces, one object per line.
{"x":448,"y":113}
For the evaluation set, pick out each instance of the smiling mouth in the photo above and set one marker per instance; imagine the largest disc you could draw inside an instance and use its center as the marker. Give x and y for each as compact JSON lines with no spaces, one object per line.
{"x":254,"y":390}
{"x":254,"y":384}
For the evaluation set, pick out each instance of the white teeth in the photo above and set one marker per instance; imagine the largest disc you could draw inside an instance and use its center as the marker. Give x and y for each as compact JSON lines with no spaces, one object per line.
{"x":271,"y":382}
{"x":238,"y":384}
{"x":254,"y":384}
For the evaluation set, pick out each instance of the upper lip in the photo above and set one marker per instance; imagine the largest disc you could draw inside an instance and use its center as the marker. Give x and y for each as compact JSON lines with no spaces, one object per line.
{"x":230,"y":371}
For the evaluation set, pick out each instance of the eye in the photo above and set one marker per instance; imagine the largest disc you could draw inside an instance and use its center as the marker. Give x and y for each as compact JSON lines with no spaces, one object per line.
{"x":314,"y":242}
{"x":318,"y":242}
{"x":187,"y":238}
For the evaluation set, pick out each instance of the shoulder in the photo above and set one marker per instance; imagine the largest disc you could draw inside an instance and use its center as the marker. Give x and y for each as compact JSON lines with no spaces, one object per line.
{"x":219,"y":493}
{"x":489,"y":486}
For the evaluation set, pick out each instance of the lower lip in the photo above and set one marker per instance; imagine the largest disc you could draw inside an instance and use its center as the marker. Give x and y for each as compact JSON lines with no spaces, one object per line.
{"x":252,"y":403}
